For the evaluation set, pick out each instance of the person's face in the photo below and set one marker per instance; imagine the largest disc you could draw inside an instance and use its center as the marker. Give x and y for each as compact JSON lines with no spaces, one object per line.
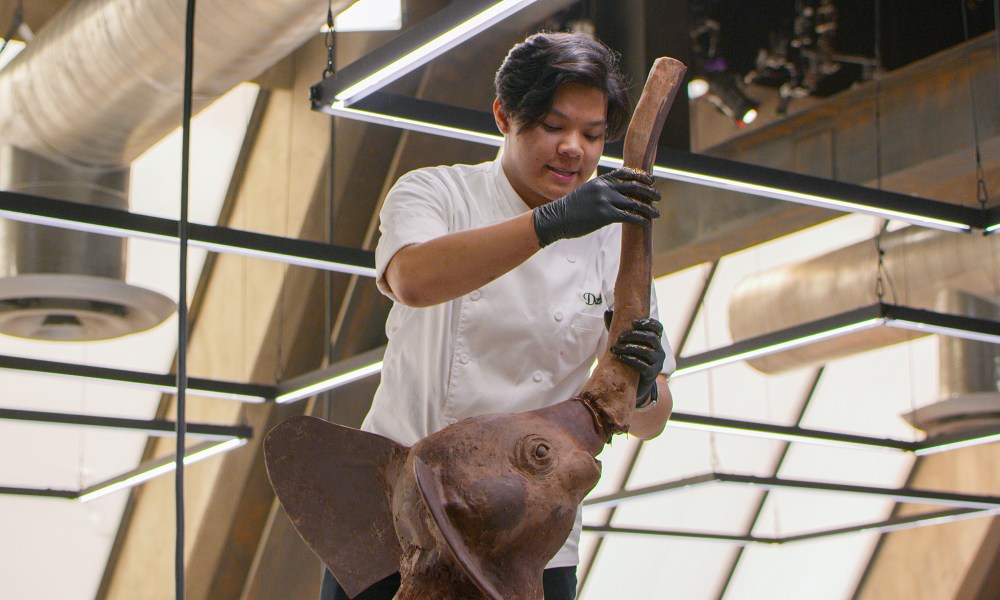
{"x":560,"y":154}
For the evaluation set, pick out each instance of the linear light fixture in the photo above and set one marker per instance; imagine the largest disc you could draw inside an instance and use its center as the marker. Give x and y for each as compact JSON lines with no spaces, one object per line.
{"x":479,"y":127}
{"x":328,"y":378}
{"x":155,"y":427}
{"x":778,"y":341}
{"x":156,"y":468}
{"x":758,"y":181}
{"x":165,"y":383}
{"x":121,"y":223}
{"x":141,"y":474}
{"x":340,"y":109}
{"x":10,"y":51}
{"x":852,"y":321}
{"x":992,"y":219}
{"x":955,"y":500}
{"x":785,"y":433}
{"x":422,"y":43}
{"x":967,"y":439}
{"x":884,"y":526}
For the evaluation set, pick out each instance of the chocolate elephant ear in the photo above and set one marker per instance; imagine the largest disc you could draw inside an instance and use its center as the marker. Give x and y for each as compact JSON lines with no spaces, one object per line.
{"x":432,"y":491}
{"x":327,"y":478}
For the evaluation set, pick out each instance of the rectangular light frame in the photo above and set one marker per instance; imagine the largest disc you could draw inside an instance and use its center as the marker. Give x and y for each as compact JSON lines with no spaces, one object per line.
{"x":412,"y":49}
{"x":101,"y":220}
{"x":145,"y":472}
{"x":151,"y":427}
{"x":787,"y":433}
{"x":165,"y":383}
{"x":157,"y":468}
{"x":688,"y":167}
{"x":359,"y":366}
{"x":851,"y":321}
{"x":910,"y":495}
{"x":882,"y":526}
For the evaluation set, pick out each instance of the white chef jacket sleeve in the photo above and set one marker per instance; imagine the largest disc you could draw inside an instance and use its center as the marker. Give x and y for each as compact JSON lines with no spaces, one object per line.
{"x":416,"y":209}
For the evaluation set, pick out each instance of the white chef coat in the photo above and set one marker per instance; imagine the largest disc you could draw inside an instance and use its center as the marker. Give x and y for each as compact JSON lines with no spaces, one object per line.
{"x":524,"y":341}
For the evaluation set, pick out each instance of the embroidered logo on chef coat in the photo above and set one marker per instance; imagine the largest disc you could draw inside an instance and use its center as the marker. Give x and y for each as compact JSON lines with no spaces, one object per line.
{"x":593,"y":299}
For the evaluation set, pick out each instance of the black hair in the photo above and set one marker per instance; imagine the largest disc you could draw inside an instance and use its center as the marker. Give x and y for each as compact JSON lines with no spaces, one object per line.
{"x":527,"y":80}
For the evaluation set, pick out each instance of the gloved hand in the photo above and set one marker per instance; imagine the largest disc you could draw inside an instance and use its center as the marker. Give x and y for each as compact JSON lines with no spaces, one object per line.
{"x":641,"y":349}
{"x":599,"y":202}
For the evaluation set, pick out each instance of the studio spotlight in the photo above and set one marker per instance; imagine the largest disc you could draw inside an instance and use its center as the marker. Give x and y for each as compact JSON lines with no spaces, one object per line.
{"x":725,"y":93}
{"x":697,"y":88}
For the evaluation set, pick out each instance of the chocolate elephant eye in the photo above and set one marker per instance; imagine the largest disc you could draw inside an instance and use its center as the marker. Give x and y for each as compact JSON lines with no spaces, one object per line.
{"x":533,"y":454}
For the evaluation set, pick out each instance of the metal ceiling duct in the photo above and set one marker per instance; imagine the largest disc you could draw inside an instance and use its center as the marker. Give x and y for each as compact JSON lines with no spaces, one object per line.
{"x":920,"y":262}
{"x":98,"y":85}
{"x":967,"y":375}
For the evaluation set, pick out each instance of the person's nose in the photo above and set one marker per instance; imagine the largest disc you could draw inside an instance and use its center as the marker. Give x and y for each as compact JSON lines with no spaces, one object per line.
{"x":572,"y":144}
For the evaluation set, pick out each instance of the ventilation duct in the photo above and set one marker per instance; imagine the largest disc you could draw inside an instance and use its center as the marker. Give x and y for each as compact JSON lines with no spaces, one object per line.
{"x":968,"y":398}
{"x":920,"y":263}
{"x":98,"y":85}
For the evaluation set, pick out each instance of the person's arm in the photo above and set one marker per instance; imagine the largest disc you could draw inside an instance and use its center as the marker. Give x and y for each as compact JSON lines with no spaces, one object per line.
{"x":454,"y":264}
{"x":642,"y":349}
{"x":648,"y":424}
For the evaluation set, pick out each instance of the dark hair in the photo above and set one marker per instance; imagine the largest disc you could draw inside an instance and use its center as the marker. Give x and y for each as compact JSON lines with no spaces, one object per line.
{"x":527,"y":80}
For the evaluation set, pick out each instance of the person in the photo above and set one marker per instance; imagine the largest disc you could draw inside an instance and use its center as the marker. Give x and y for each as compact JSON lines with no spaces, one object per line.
{"x":501,"y":273}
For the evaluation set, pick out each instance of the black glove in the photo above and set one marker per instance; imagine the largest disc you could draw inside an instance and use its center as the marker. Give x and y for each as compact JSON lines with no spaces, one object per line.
{"x":641,"y":349}
{"x":601,"y":201}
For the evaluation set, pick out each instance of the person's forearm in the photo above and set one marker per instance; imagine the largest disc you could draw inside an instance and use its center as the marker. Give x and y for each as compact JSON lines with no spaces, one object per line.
{"x":447,"y":267}
{"x":649,"y":424}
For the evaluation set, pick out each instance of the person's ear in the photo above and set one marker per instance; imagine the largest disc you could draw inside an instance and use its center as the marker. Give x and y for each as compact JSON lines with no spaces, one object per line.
{"x":503,"y":122}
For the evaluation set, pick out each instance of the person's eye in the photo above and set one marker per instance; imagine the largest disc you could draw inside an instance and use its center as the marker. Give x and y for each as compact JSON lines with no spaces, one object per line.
{"x":548,"y":127}
{"x":594,"y":137}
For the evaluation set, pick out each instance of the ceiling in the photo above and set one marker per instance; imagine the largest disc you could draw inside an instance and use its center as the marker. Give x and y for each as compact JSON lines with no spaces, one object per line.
{"x":718,"y":528}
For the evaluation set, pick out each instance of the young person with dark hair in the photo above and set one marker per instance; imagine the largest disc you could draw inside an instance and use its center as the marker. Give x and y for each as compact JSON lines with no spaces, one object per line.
{"x":501,"y":273}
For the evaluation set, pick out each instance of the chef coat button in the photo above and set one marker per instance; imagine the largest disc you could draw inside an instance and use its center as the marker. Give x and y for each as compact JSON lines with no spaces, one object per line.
{"x":475,"y":295}
{"x":464,"y":359}
{"x":537,"y":376}
{"x":571,"y":259}
{"x":558,"y":316}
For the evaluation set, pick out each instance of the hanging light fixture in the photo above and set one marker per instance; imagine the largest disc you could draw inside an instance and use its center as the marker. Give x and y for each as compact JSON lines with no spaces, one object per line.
{"x":852,"y":321}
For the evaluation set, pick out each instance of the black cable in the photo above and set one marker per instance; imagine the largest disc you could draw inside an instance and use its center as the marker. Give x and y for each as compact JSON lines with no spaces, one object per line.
{"x":182,"y":309}
{"x":330,"y":213}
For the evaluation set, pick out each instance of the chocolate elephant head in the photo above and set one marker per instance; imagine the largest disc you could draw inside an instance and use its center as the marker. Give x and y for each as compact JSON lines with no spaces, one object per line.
{"x":475,"y":510}
{"x":501,"y":493}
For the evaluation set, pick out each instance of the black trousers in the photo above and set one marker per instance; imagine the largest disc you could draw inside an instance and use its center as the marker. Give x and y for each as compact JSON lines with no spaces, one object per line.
{"x":558,"y":584}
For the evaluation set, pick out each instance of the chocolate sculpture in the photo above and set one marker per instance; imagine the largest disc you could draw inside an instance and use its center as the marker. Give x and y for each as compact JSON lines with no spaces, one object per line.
{"x":477,"y":509}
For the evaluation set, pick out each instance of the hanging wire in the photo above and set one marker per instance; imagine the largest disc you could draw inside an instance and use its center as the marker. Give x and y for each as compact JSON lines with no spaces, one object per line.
{"x":182,"y":308}
{"x":982,"y":195}
{"x":882,"y":276}
{"x":328,"y":38}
